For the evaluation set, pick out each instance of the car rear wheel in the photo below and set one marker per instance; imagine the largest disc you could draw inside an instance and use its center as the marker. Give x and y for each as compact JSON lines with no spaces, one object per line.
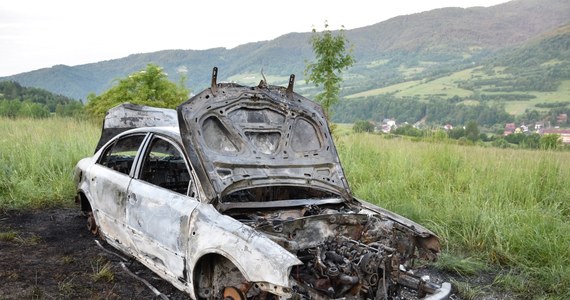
{"x":92,"y":224}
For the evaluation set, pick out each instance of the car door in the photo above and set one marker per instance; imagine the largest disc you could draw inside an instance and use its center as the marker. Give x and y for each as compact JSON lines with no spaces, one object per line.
{"x":158,"y":207}
{"x":109,"y":178}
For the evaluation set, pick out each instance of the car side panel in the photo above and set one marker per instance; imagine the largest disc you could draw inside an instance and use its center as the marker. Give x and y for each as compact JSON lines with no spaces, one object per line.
{"x":158,"y":220}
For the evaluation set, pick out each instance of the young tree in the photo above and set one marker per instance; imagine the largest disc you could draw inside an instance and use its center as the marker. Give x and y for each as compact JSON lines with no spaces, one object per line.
{"x":10,"y":108}
{"x":146,"y":87}
{"x":332,"y":56}
{"x":456,"y":133}
{"x":472,"y":131}
{"x":363,"y":126}
{"x":550,"y":142}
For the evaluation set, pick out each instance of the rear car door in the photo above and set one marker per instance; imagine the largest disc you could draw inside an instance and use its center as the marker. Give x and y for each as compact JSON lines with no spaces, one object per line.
{"x":109,"y":178}
{"x":158,"y":207}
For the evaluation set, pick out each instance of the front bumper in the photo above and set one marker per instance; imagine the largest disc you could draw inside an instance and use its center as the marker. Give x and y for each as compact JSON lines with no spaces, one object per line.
{"x":440,"y":294}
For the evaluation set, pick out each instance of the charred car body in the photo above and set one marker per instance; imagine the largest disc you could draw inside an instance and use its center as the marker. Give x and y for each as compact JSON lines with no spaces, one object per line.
{"x":240,"y":194}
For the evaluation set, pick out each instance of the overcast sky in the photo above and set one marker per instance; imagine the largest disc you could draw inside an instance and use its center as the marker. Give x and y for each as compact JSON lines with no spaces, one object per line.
{"x":37,"y":34}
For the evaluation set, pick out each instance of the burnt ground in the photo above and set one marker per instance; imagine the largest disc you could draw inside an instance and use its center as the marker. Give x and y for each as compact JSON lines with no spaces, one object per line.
{"x":50,"y":254}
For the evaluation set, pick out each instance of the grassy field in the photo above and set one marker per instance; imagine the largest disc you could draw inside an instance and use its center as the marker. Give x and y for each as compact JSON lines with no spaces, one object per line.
{"x":497,"y":210}
{"x":444,"y":86}
{"x":500,"y":212}
{"x":37,"y":159}
{"x":448,"y":86}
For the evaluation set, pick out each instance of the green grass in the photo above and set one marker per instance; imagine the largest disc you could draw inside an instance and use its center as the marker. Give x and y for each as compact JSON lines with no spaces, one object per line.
{"x":37,"y":159}
{"x":502,"y":207}
{"x":560,"y":95}
{"x":15,"y":237}
{"x":341,"y":129}
{"x":102,"y":270}
{"x":445,"y":87}
{"x":376,"y":63}
{"x":386,"y":90}
{"x":8,"y":236}
{"x":448,"y":86}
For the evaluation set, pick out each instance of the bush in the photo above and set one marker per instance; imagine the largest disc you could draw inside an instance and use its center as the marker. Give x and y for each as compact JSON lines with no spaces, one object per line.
{"x":363,"y":126}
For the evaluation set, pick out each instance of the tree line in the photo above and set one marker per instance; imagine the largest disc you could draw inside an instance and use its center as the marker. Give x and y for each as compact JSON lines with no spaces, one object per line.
{"x":19,"y":101}
{"x":411,"y":110}
{"x":471,"y":135}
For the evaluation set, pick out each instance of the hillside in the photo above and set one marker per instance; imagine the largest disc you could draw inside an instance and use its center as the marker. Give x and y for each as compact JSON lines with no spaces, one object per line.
{"x":531,"y":81}
{"x":424,"y":47}
{"x":17,"y":100}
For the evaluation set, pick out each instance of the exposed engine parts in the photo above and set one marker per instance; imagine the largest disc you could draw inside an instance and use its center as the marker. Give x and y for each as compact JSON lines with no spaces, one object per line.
{"x":347,"y":253}
{"x":341,"y":266}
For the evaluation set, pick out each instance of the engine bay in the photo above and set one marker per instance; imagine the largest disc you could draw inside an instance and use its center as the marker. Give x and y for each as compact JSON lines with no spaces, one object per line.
{"x":346,"y":251}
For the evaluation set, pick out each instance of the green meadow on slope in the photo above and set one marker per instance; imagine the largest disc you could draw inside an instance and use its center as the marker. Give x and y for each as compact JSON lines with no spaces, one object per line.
{"x":453,"y":86}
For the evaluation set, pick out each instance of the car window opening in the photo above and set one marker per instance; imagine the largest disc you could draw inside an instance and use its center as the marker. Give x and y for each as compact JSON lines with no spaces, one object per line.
{"x":164,"y":166}
{"x":121,"y":155}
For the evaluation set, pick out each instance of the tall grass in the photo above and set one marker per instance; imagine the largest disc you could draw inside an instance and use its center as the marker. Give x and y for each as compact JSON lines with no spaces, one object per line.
{"x":37,"y":157}
{"x":504,"y":207}
{"x":491,"y":207}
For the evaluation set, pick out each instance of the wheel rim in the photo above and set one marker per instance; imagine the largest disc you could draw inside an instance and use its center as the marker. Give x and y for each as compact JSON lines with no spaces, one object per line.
{"x":233,"y":293}
{"x":91,"y":224}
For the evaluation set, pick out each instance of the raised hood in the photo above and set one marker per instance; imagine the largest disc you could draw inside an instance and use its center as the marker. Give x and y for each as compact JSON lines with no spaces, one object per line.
{"x":240,"y":137}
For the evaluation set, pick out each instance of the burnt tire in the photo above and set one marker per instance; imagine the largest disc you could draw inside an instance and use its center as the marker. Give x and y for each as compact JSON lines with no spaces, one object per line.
{"x":92,"y":224}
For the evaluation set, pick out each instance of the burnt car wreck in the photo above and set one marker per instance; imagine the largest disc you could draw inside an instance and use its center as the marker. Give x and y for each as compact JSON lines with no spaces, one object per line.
{"x":239,"y":194}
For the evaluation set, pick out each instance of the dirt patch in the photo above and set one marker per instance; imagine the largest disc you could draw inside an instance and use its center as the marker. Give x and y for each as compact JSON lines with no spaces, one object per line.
{"x":49,"y":254}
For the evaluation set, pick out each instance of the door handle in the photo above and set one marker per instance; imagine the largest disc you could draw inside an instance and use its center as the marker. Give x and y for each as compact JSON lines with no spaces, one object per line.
{"x":132,"y":198}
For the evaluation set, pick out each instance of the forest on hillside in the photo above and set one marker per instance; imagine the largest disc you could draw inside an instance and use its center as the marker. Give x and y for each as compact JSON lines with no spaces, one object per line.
{"x":19,"y":101}
{"x":533,"y":75}
{"x":434,"y":111}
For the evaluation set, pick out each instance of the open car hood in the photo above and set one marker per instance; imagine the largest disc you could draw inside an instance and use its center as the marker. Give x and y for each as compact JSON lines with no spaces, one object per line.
{"x":240,"y":137}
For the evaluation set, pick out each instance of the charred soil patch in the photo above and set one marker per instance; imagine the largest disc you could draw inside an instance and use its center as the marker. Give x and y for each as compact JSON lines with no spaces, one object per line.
{"x":49,"y":254}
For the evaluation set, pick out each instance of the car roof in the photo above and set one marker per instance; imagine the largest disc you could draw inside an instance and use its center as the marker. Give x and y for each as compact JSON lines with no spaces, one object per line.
{"x":169,"y":131}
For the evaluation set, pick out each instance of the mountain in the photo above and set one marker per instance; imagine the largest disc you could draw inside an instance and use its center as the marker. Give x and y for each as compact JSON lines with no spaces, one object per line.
{"x":530,"y":81}
{"x":422,"y":46}
{"x":450,"y":30}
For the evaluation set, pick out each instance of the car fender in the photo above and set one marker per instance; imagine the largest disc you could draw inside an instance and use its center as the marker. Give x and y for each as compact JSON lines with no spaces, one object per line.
{"x":80,"y":177}
{"x":258,"y":258}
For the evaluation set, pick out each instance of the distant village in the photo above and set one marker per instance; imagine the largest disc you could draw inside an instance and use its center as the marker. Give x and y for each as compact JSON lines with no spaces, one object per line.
{"x":541,"y":128}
